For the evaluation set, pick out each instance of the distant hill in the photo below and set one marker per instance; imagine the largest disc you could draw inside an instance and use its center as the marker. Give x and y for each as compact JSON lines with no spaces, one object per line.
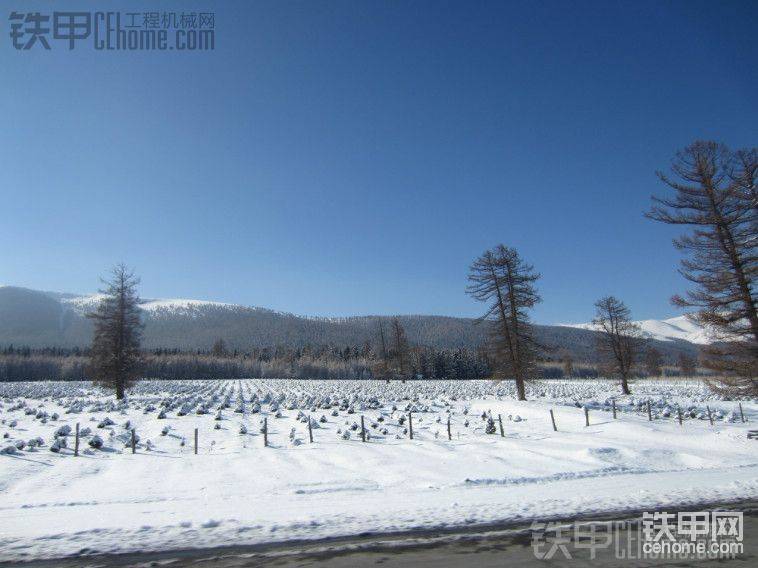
{"x":672,"y":329}
{"x":45,"y":319}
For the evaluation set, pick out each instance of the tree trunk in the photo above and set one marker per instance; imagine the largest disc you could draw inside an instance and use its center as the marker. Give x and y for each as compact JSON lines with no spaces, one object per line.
{"x":520,"y":390}
{"x":625,"y":385}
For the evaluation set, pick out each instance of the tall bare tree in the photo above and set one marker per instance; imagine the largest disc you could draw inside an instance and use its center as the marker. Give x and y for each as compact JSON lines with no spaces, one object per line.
{"x":116,"y":357}
{"x":653,"y":362}
{"x":400,"y":350}
{"x":715,"y":195}
{"x":687,"y":365}
{"x":568,"y":363}
{"x":502,"y":279}
{"x":381,"y":367}
{"x":620,"y":338}
{"x":219,"y":348}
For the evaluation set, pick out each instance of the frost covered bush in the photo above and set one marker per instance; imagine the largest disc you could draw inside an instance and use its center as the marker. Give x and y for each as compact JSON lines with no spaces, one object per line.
{"x":490,"y":427}
{"x":105,"y":422}
{"x":9,"y":450}
{"x":95,"y":442}
{"x":64,"y":430}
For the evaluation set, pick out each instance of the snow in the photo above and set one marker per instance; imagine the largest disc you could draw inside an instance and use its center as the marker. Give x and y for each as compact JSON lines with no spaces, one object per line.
{"x":235,"y":491}
{"x":179,"y":304}
{"x":83,"y":304}
{"x":679,"y":327}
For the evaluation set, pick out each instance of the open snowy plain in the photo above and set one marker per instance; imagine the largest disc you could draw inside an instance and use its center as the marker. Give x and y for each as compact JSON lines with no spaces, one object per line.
{"x":236,"y":491}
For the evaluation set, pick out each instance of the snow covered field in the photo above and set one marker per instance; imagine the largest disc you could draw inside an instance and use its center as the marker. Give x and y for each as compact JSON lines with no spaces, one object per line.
{"x":235,"y":491}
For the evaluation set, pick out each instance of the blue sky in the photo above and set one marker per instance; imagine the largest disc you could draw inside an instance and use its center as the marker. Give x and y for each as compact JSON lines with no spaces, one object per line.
{"x":335,"y":158}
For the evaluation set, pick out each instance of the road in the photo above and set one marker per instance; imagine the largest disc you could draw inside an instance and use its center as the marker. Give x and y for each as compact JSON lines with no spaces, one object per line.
{"x":482,"y":547}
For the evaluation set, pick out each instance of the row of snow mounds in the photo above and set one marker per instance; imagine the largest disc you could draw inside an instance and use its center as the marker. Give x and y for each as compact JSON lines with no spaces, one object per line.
{"x":172,"y":400}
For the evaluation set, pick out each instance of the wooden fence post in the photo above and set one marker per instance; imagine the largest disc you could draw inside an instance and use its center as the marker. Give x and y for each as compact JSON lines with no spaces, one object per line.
{"x":552,"y":419}
{"x":265,"y":431}
{"x":500,"y":419}
{"x":710,"y":416}
{"x":587,"y":416}
{"x":410,"y":424}
{"x":449,"y":434}
{"x":742,"y":414}
{"x":613,"y":403}
{"x":76,"y":443}
{"x":195,"y":441}
{"x":679,"y":414}
{"x":134,"y":442}
{"x":310,"y":430}
{"x":649,"y":414}
{"x":363,"y":430}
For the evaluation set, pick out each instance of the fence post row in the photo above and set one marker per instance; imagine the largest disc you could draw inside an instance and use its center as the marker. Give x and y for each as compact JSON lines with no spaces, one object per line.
{"x":500,"y":419}
{"x":613,"y":403}
{"x":552,"y":419}
{"x":134,"y":442}
{"x":363,"y":430}
{"x":649,"y":414}
{"x":410,"y":424}
{"x":586,"y":416}
{"x":76,"y":443}
{"x":265,"y":431}
{"x":195,"y":441}
{"x":310,"y":429}
{"x":449,"y":434}
{"x":710,"y":416}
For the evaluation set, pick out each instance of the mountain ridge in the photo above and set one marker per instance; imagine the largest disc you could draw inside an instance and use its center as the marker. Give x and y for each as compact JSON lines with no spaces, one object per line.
{"x":54,"y":319}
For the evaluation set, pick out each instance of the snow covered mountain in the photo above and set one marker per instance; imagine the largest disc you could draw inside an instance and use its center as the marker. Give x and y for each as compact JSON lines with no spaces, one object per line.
{"x":671,"y":329}
{"x":87,"y":303}
{"x":52,"y":319}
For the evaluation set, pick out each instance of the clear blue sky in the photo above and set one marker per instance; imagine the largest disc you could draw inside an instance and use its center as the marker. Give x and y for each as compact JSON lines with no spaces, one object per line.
{"x":336,"y":158}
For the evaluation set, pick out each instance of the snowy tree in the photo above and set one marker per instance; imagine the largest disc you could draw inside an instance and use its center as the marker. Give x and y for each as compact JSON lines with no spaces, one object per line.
{"x":116,"y":358}
{"x":502,"y":279}
{"x":715,"y":194}
{"x":619,"y":339}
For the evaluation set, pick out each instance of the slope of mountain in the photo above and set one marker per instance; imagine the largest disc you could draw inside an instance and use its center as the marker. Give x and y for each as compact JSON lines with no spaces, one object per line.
{"x":672,"y":329}
{"x":44,"y":319}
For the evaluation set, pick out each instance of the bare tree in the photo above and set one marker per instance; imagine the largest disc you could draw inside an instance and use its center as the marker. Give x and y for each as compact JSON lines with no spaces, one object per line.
{"x":568,"y":363}
{"x":116,"y":359}
{"x":619,"y":341}
{"x":687,"y":365}
{"x":400,"y":350}
{"x":219,"y":348}
{"x":502,"y":279}
{"x":381,"y":368}
{"x":653,"y":362}
{"x":715,"y":195}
